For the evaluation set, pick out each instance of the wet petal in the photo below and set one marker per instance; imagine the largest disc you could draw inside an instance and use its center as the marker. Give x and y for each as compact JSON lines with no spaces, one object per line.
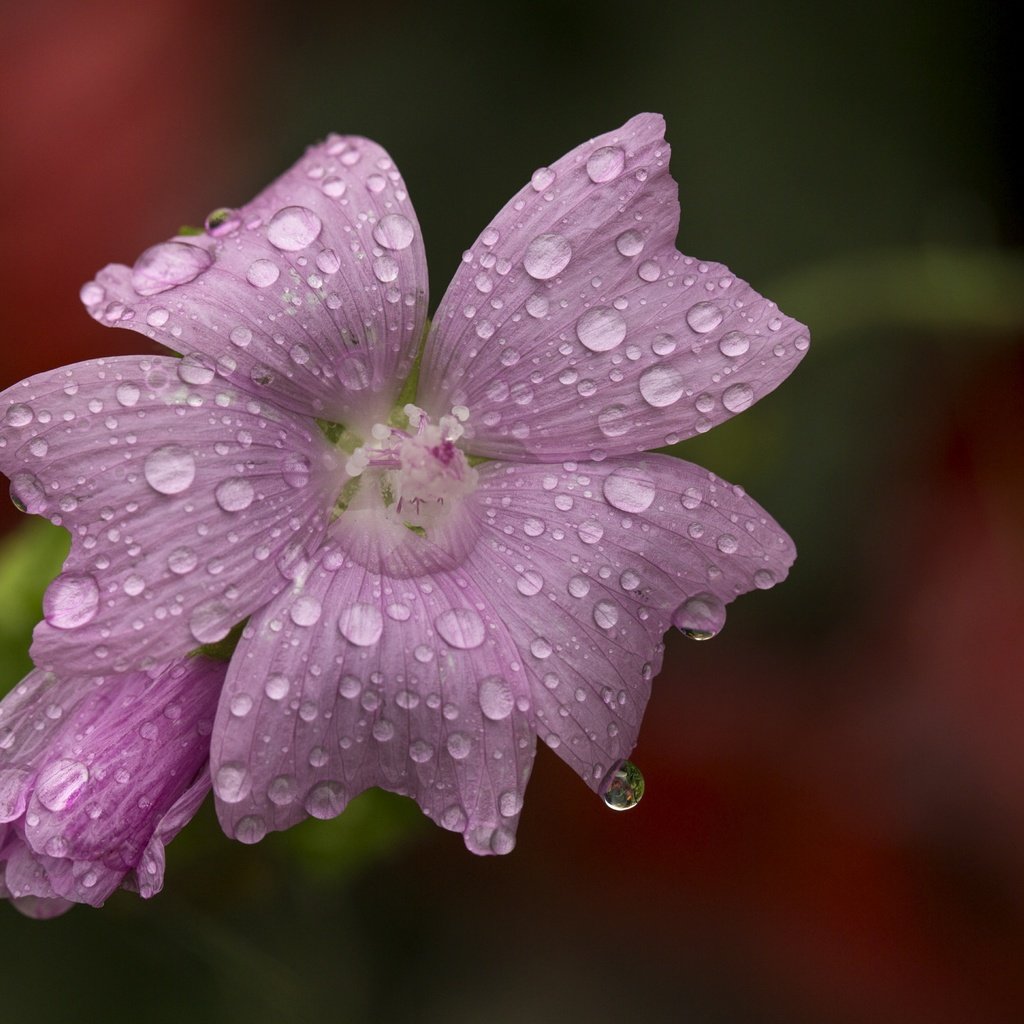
{"x":588,"y":564}
{"x":575,"y":328}
{"x":123,"y":768}
{"x":313,"y":294}
{"x":186,"y":500}
{"x":354,"y":679}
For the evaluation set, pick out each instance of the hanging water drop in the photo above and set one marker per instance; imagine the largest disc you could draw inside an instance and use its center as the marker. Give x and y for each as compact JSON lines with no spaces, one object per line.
{"x":624,"y":788}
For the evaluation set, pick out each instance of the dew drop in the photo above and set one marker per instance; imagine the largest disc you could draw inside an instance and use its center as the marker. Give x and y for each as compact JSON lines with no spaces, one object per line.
{"x":606,"y":614}
{"x":127,"y":394}
{"x":394,"y":231}
{"x":276,"y":687}
{"x":292,"y":228}
{"x":168,"y":265}
{"x":250,"y":829}
{"x":601,"y":329}
{"x":700,"y":617}
{"x":385,"y":269}
{"x":232,"y":782}
{"x":542,"y":178}
{"x":530,"y":583}
{"x":605,"y":163}
{"x":590,"y":532}
{"x":71,"y":600}
{"x":648,"y":271}
{"x":305,"y":611}
{"x":361,"y":624}
{"x":496,"y":701}
{"x":703,"y":317}
{"x":234,"y":494}
{"x":209,"y":621}
{"x":764,"y":579}
{"x":738,"y":397}
{"x":327,"y":262}
{"x":629,"y":489}
{"x":613,"y":421}
{"x":734,"y":344}
{"x":59,"y":783}
{"x":170,"y":469}
{"x":661,"y":386}
{"x":222,"y":221}
{"x":579,"y":586}
{"x":262,"y":273}
{"x":727,"y":544}
{"x":624,"y":787}
{"x":182,"y":560}
{"x":461,"y":627}
{"x":547,"y":256}
{"x":325,"y":800}
{"x":630,"y":243}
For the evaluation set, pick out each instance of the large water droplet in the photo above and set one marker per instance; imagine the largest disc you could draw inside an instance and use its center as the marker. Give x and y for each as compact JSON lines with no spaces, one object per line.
{"x":733,"y":344}
{"x":60,"y":782}
{"x":262,"y":273}
{"x":461,"y":628}
{"x":496,"y":701}
{"x":232,"y":783}
{"x":234,"y":494}
{"x":210,"y":621}
{"x":547,"y":256}
{"x":629,"y":489}
{"x":700,"y":617}
{"x":326,"y":800}
{"x":531,"y":582}
{"x":394,"y":231}
{"x":165,"y":266}
{"x":661,"y":386}
{"x":305,"y":611}
{"x":601,"y":329}
{"x":71,"y":600}
{"x":293,"y":228}
{"x":542,"y":178}
{"x":703,"y":317}
{"x":170,"y":469}
{"x":606,"y":614}
{"x":630,"y":243}
{"x":738,"y":397}
{"x":624,"y":788}
{"x":361,"y":624}
{"x":613,"y":421}
{"x":605,"y":163}
{"x":182,"y":560}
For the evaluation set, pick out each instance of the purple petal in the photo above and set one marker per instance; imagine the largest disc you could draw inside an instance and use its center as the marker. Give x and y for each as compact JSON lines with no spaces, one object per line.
{"x":354,"y":679}
{"x":575,"y":328}
{"x":588,"y":564}
{"x":185,"y":499}
{"x":313,"y":294}
{"x":122,"y":769}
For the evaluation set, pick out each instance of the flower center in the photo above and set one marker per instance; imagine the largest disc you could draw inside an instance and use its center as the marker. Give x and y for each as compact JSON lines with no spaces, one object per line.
{"x":421,"y":472}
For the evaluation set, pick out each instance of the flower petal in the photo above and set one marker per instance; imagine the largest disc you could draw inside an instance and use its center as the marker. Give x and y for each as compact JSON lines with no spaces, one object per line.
{"x":588,"y":564}
{"x":185,"y":499}
{"x":574,"y":327}
{"x":354,"y":679}
{"x":314,"y":293}
{"x":123,"y":768}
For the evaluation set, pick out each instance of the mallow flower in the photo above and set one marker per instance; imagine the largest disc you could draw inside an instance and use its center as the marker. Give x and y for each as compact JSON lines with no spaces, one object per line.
{"x":97,"y":775}
{"x":445,"y":540}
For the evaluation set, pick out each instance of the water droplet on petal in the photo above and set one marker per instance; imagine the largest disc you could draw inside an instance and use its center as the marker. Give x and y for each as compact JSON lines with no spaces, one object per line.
{"x":71,"y":600}
{"x":606,"y":614}
{"x":700,"y":617}
{"x":764,"y":579}
{"x":361,"y":624}
{"x":531,"y":582}
{"x":605,"y":163}
{"x":222,"y":221}
{"x":601,"y":329}
{"x":182,"y":561}
{"x":127,"y":394}
{"x":167,"y":265}
{"x":210,"y":621}
{"x":262,"y":273}
{"x":727,"y":544}
{"x":624,"y":787}
{"x":547,"y":256}
{"x":305,"y":611}
{"x":250,"y":829}
{"x":232,"y":782}
{"x":738,"y":397}
{"x":629,"y":489}
{"x":170,"y":469}
{"x":648,"y":271}
{"x":496,"y":701}
{"x":630,"y":243}
{"x":613,"y":421}
{"x":661,"y":386}
{"x":234,"y":494}
{"x":542,"y":178}
{"x":276,"y":687}
{"x":703,"y":317}
{"x":385,"y":269}
{"x":461,"y":628}
{"x":394,"y":231}
{"x":59,"y":783}
{"x":326,"y":800}
{"x":590,"y":532}
{"x":293,"y":228}
{"x":19,"y":415}
{"x":734,"y":344}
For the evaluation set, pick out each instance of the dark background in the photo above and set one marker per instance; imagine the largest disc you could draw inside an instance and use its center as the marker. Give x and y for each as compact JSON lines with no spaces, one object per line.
{"x":835,"y":811}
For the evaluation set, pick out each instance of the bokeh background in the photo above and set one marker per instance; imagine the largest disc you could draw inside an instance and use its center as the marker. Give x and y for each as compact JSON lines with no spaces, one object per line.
{"x":834,"y":822}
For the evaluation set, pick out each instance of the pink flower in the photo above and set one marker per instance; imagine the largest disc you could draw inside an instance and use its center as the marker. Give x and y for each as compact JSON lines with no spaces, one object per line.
{"x":96,"y":777}
{"x":432,"y":585}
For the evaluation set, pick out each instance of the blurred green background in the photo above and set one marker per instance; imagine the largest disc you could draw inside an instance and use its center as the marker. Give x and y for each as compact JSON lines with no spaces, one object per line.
{"x":834,"y":817}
